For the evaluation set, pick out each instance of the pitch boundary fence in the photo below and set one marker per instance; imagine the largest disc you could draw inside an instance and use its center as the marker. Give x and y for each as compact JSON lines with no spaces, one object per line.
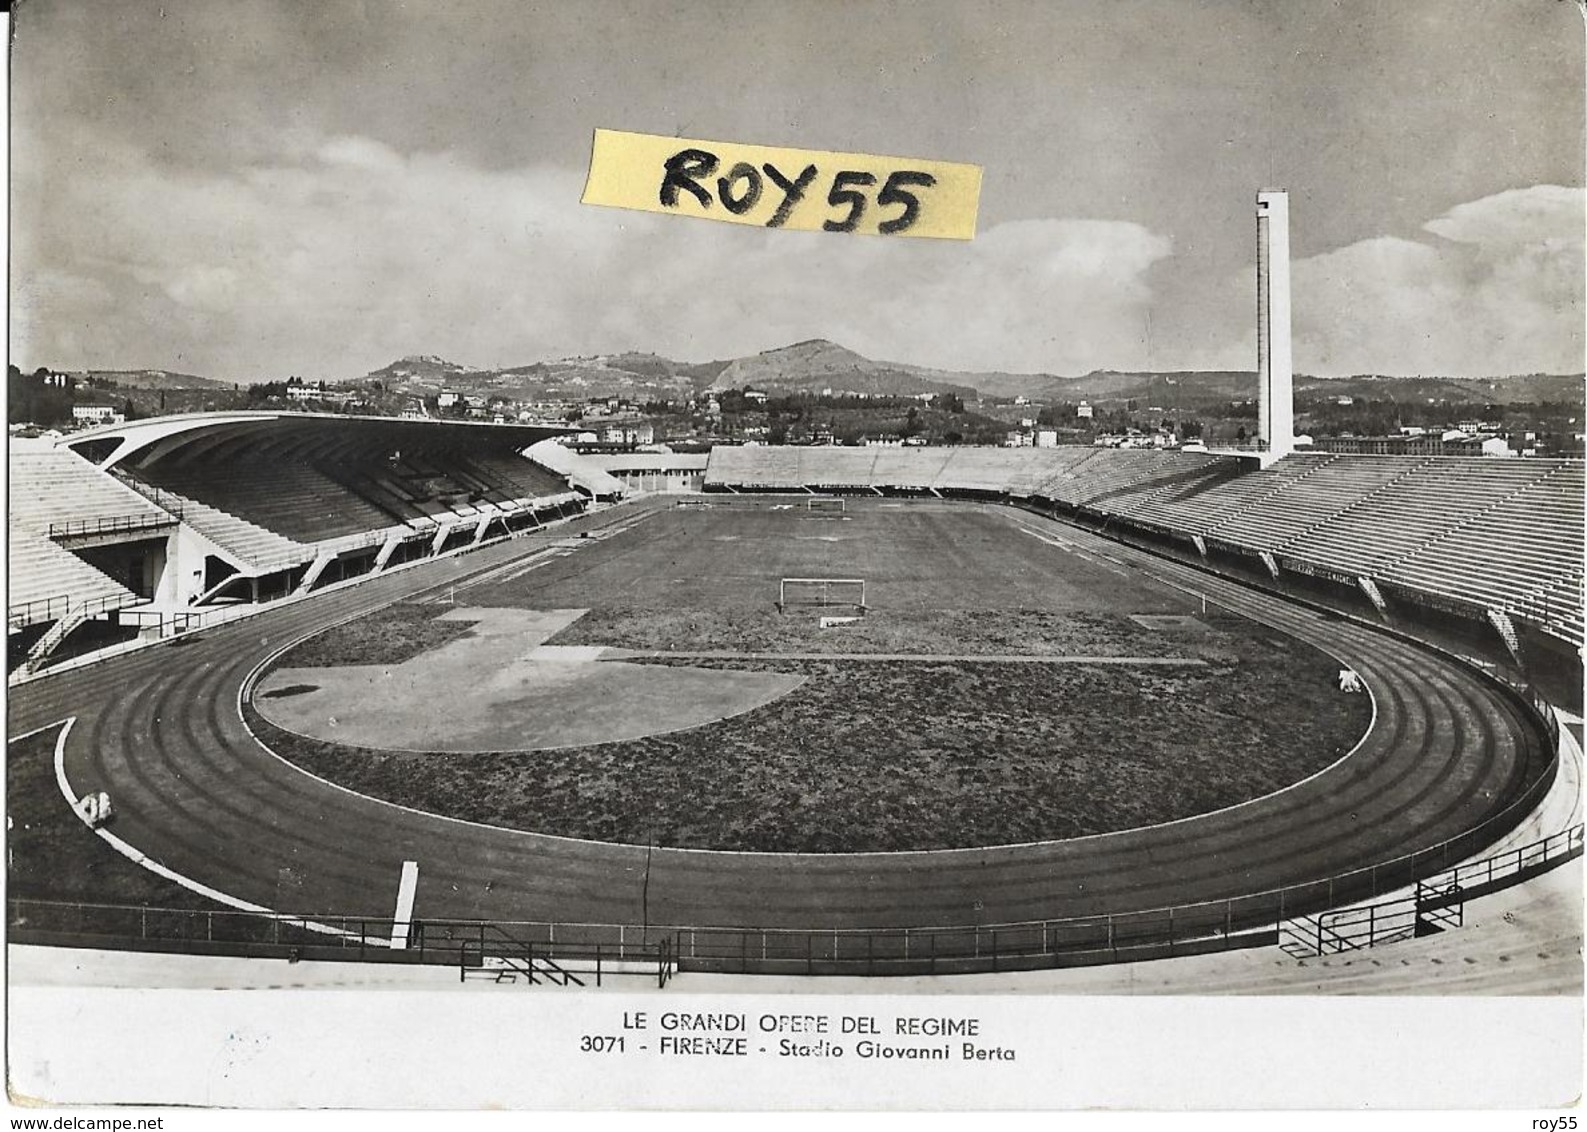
{"x":1295,"y":916}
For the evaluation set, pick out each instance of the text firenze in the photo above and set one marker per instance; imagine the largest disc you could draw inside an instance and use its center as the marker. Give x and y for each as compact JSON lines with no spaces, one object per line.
{"x":740,"y":188}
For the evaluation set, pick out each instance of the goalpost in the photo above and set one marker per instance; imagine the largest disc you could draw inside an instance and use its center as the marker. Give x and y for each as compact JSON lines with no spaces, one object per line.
{"x":825,"y":503}
{"x":822,"y":592}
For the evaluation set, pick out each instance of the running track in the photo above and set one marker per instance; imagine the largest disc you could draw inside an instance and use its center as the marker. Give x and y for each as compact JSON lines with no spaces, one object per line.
{"x":160,"y":730}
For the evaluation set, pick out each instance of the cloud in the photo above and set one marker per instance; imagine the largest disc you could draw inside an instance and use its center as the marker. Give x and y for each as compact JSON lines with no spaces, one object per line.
{"x":360,"y":153}
{"x":1496,"y":288}
{"x":351,"y":253}
{"x":345,"y":253}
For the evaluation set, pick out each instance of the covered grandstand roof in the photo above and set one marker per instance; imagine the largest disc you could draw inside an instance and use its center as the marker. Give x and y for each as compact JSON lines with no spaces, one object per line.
{"x":581,"y":471}
{"x":219,"y":437}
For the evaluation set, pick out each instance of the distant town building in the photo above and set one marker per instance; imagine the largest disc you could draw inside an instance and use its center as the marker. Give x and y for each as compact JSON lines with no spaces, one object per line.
{"x":97,"y":414}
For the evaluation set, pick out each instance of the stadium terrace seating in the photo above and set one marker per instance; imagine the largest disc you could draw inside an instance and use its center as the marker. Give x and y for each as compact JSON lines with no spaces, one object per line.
{"x":1301,"y":505}
{"x":1167,"y":481}
{"x":851,"y":467}
{"x":1096,"y":481}
{"x":1507,"y":551}
{"x":55,"y":485}
{"x":910,"y":469}
{"x":52,"y":486}
{"x":1558,"y":604}
{"x":1492,"y":533}
{"x":780,"y":467}
{"x":1202,"y":512}
{"x":45,"y":582}
{"x":379,"y":491}
{"x":982,"y":469}
{"x":1406,"y":513}
{"x":247,"y":542}
{"x":294,"y":501}
{"x":514,"y":479}
{"x":284,"y":512}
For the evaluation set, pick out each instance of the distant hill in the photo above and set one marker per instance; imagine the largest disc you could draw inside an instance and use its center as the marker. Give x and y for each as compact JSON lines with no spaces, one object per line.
{"x":637,"y":376}
{"x":421,"y":370}
{"x":152,"y":379}
{"x":817,"y":364}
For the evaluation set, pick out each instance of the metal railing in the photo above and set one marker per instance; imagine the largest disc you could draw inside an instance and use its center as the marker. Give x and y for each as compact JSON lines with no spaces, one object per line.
{"x":112,"y":524}
{"x":505,"y":958}
{"x":55,"y":608}
{"x":1436,"y":903}
{"x":289,"y":935}
{"x":161,"y":498}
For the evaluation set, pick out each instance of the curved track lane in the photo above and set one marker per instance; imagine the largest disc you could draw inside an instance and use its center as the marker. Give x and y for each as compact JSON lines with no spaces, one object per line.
{"x":160,"y":730}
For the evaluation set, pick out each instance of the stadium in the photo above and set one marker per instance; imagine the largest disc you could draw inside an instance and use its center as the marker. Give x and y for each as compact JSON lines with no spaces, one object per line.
{"x":424,"y":693}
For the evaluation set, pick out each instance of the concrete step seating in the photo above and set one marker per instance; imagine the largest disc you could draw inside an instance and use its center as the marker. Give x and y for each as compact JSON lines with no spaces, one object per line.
{"x":45,"y":582}
{"x":757,"y":466}
{"x":1505,"y":552}
{"x":1057,"y":466}
{"x":250,"y":544}
{"x":1108,"y":479}
{"x":912,"y":469}
{"x":1304,"y":504}
{"x":1201,"y":512}
{"x":49,"y":485}
{"x":55,"y":485}
{"x":856,"y":469}
{"x":295,"y":501}
{"x":1163,"y":486}
{"x":987,"y":469}
{"x":1411,"y":511}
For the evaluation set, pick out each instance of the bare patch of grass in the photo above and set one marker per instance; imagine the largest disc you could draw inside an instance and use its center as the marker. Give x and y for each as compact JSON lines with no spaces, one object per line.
{"x":390,"y":636}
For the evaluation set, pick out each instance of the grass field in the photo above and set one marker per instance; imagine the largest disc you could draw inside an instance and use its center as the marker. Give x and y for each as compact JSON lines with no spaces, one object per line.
{"x":874,"y":754}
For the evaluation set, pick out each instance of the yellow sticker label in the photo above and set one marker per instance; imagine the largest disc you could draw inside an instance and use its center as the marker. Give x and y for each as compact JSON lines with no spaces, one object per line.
{"x":809,"y":190}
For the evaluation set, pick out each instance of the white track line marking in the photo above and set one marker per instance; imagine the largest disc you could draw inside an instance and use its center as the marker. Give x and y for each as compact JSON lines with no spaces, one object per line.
{"x":405,"y":892}
{"x":137,"y":857}
{"x":1095,"y":557}
{"x":39,"y":730}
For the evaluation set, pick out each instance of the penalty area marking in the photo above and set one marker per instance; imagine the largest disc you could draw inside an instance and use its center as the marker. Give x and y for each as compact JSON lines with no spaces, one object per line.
{"x":403,"y":920}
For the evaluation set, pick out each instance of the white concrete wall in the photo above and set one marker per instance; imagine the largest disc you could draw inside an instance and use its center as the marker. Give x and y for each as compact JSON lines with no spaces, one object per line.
{"x":1274,"y":364}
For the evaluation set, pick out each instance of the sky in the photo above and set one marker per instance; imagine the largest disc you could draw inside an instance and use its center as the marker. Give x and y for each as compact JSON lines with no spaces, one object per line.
{"x":247,"y":190}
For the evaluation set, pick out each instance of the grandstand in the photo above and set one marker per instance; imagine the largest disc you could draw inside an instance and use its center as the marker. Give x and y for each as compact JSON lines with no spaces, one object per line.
{"x":1455,"y":535}
{"x":147,"y":522}
{"x":81,"y":545}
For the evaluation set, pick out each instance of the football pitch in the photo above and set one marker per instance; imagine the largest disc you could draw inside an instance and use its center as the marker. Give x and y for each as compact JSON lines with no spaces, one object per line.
{"x":1004,"y":685}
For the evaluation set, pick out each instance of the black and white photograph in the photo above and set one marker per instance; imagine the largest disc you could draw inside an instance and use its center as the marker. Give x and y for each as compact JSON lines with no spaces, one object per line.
{"x":1003,"y":554}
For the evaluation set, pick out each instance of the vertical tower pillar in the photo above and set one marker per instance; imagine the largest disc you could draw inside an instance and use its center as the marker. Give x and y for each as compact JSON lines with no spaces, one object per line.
{"x":1274,"y":373}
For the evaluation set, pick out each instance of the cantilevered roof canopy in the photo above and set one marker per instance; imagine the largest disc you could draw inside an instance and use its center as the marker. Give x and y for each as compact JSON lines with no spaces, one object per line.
{"x":235,"y":437}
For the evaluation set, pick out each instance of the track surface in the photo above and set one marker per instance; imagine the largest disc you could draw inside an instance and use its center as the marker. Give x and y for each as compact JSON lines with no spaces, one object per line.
{"x":161,"y":731}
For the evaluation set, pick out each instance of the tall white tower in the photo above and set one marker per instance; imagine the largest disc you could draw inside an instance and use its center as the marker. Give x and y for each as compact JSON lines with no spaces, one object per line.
{"x":1274,"y":373}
